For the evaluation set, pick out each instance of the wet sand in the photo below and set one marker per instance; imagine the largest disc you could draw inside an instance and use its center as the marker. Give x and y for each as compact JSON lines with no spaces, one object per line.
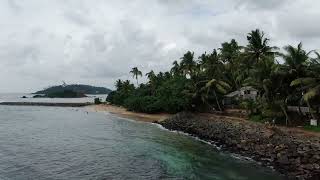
{"x":122,"y":112}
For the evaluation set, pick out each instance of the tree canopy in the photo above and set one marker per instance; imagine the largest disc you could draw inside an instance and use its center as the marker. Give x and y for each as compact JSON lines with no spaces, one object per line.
{"x":201,"y":83}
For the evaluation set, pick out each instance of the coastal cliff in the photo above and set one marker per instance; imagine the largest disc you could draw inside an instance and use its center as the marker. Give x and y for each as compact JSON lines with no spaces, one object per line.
{"x":292,"y":153}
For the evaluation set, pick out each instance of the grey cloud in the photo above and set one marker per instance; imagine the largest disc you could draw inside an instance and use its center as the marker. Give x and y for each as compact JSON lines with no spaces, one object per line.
{"x":83,"y":41}
{"x":263,"y":4}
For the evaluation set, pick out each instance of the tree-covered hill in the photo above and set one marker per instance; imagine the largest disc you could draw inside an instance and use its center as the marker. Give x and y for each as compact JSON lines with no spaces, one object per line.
{"x":80,"y":88}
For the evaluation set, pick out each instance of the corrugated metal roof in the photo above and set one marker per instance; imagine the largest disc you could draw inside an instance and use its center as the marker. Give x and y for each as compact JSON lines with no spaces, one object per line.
{"x":248,"y":88}
{"x":232,"y":94}
{"x":236,"y":93}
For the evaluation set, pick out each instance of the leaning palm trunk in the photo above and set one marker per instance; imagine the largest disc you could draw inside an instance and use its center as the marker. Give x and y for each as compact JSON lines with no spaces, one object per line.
{"x":310,"y":110}
{"x":283,"y":108}
{"x":217,"y":101}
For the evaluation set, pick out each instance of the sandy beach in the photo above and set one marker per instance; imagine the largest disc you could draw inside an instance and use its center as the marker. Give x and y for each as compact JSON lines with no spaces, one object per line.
{"x":122,"y":112}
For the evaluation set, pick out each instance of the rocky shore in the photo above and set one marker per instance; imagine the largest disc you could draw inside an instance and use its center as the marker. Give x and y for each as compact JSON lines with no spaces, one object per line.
{"x":295,"y":155}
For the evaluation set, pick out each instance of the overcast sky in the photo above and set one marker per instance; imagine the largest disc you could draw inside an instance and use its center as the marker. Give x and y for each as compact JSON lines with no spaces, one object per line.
{"x":45,"y":42}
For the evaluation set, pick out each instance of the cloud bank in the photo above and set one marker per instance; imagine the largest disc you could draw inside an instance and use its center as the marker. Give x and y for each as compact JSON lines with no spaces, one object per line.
{"x":45,"y":42}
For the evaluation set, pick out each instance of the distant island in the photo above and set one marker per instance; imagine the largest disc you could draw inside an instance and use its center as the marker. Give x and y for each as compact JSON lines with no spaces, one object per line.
{"x":75,"y":88}
{"x":62,"y":94}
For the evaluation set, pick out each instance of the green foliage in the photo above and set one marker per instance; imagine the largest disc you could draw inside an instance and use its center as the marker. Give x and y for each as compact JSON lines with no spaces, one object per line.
{"x":312,"y":128}
{"x":135,"y":72}
{"x":249,"y":105}
{"x":257,"y":118}
{"x":65,"y":94}
{"x":97,"y":101}
{"x":201,"y":83}
{"x":80,"y":88}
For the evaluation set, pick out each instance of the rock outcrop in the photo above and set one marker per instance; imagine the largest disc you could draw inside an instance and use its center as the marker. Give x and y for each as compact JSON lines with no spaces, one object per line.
{"x":294,"y":155}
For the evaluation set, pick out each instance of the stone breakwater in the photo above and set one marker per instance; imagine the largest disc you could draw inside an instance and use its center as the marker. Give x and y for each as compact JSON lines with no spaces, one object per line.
{"x":45,"y":104}
{"x":294,"y":155}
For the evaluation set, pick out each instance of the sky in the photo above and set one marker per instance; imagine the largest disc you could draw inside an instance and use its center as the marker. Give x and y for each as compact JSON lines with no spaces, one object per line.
{"x":45,"y":42}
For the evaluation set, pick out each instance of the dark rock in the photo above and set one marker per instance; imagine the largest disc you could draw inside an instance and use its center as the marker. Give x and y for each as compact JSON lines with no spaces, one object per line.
{"x":297,"y":157}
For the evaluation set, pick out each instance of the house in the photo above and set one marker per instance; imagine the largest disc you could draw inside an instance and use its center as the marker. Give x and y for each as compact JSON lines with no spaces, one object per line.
{"x":243,"y":93}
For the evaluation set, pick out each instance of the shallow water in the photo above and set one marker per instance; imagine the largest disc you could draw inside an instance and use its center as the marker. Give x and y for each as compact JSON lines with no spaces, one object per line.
{"x":16,"y":97}
{"x":69,"y":143}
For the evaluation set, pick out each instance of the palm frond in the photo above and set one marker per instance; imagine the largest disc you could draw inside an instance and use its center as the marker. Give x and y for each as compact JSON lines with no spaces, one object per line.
{"x":312,"y":93}
{"x":221,"y":89}
{"x":303,"y":81}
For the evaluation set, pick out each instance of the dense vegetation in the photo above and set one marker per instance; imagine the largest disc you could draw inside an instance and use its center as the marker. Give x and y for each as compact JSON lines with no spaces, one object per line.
{"x":62,"y":94}
{"x":283,"y":77}
{"x":80,"y":88}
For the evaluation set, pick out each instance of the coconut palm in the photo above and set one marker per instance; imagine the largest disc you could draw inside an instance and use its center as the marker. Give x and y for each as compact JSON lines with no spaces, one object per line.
{"x":188,"y":64}
{"x":313,"y":68}
{"x":310,"y":87}
{"x":230,"y":55}
{"x":229,"y":52}
{"x":151,"y":75}
{"x":215,"y":86}
{"x":135,"y":73}
{"x":296,"y":59}
{"x":118,"y":84}
{"x":152,"y":80}
{"x":175,"y":70}
{"x":316,"y":60}
{"x":259,"y":59}
{"x":258,"y":48}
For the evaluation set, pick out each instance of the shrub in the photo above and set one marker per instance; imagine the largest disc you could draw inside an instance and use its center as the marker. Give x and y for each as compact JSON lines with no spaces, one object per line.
{"x":146,"y":104}
{"x":97,"y":101}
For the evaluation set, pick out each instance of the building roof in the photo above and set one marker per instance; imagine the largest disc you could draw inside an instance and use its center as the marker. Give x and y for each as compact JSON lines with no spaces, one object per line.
{"x":232,"y":94}
{"x":236,"y":93}
{"x":248,"y":88}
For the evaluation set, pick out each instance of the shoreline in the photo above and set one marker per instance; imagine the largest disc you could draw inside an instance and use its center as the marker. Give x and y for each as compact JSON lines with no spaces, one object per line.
{"x":122,"y":112}
{"x":296,"y":156}
{"x":292,"y":152}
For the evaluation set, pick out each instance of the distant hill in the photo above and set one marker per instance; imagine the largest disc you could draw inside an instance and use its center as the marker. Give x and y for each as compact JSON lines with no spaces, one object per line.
{"x":62,"y":94}
{"x":79,"y":88}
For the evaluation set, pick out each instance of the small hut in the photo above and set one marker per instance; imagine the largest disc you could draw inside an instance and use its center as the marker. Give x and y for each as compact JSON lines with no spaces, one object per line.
{"x":244,"y":93}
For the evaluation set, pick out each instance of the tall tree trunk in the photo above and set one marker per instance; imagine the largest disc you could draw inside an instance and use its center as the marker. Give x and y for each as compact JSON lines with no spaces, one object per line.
{"x":310,"y":110}
{"x":282,"y":106}
{"x":217,"y":101}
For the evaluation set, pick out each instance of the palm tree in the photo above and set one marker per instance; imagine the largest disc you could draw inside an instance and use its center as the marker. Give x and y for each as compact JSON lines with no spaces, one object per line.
{"x":118,"y":84}
{"x":230,"y":55}
{"x":295,"y":66}
{"x":313,"y":68}
{"x":151,"y":75}
{"x":259,"y":59}
{"x":258,"y":48}
{"x":175,"y":70}
{"x":152,"y":80}
{"x":296,"y":59}
{"x":188,"y":64}
{"x":215,"y":86}
{"x":127,"y":86}
{"x":211,"y":65}
{"x":135,"y":73}
{"x":202,"y":90}
{"x":229,"y":52}
{"x":311,"y":87}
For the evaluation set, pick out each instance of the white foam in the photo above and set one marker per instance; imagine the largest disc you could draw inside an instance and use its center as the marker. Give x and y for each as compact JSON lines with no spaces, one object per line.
{"x":212,"y":143}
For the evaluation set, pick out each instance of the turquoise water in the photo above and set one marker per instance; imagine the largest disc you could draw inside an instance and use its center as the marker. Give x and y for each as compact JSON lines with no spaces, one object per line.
{"x":69,"y":143}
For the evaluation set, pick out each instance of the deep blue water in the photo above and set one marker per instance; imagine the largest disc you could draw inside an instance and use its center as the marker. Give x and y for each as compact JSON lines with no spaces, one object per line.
{"x":68,"y":143}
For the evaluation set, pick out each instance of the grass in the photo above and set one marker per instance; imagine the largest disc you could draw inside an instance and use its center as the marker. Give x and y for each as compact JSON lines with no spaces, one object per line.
{"x":257,"y":118}
{"x":312,"y":128}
